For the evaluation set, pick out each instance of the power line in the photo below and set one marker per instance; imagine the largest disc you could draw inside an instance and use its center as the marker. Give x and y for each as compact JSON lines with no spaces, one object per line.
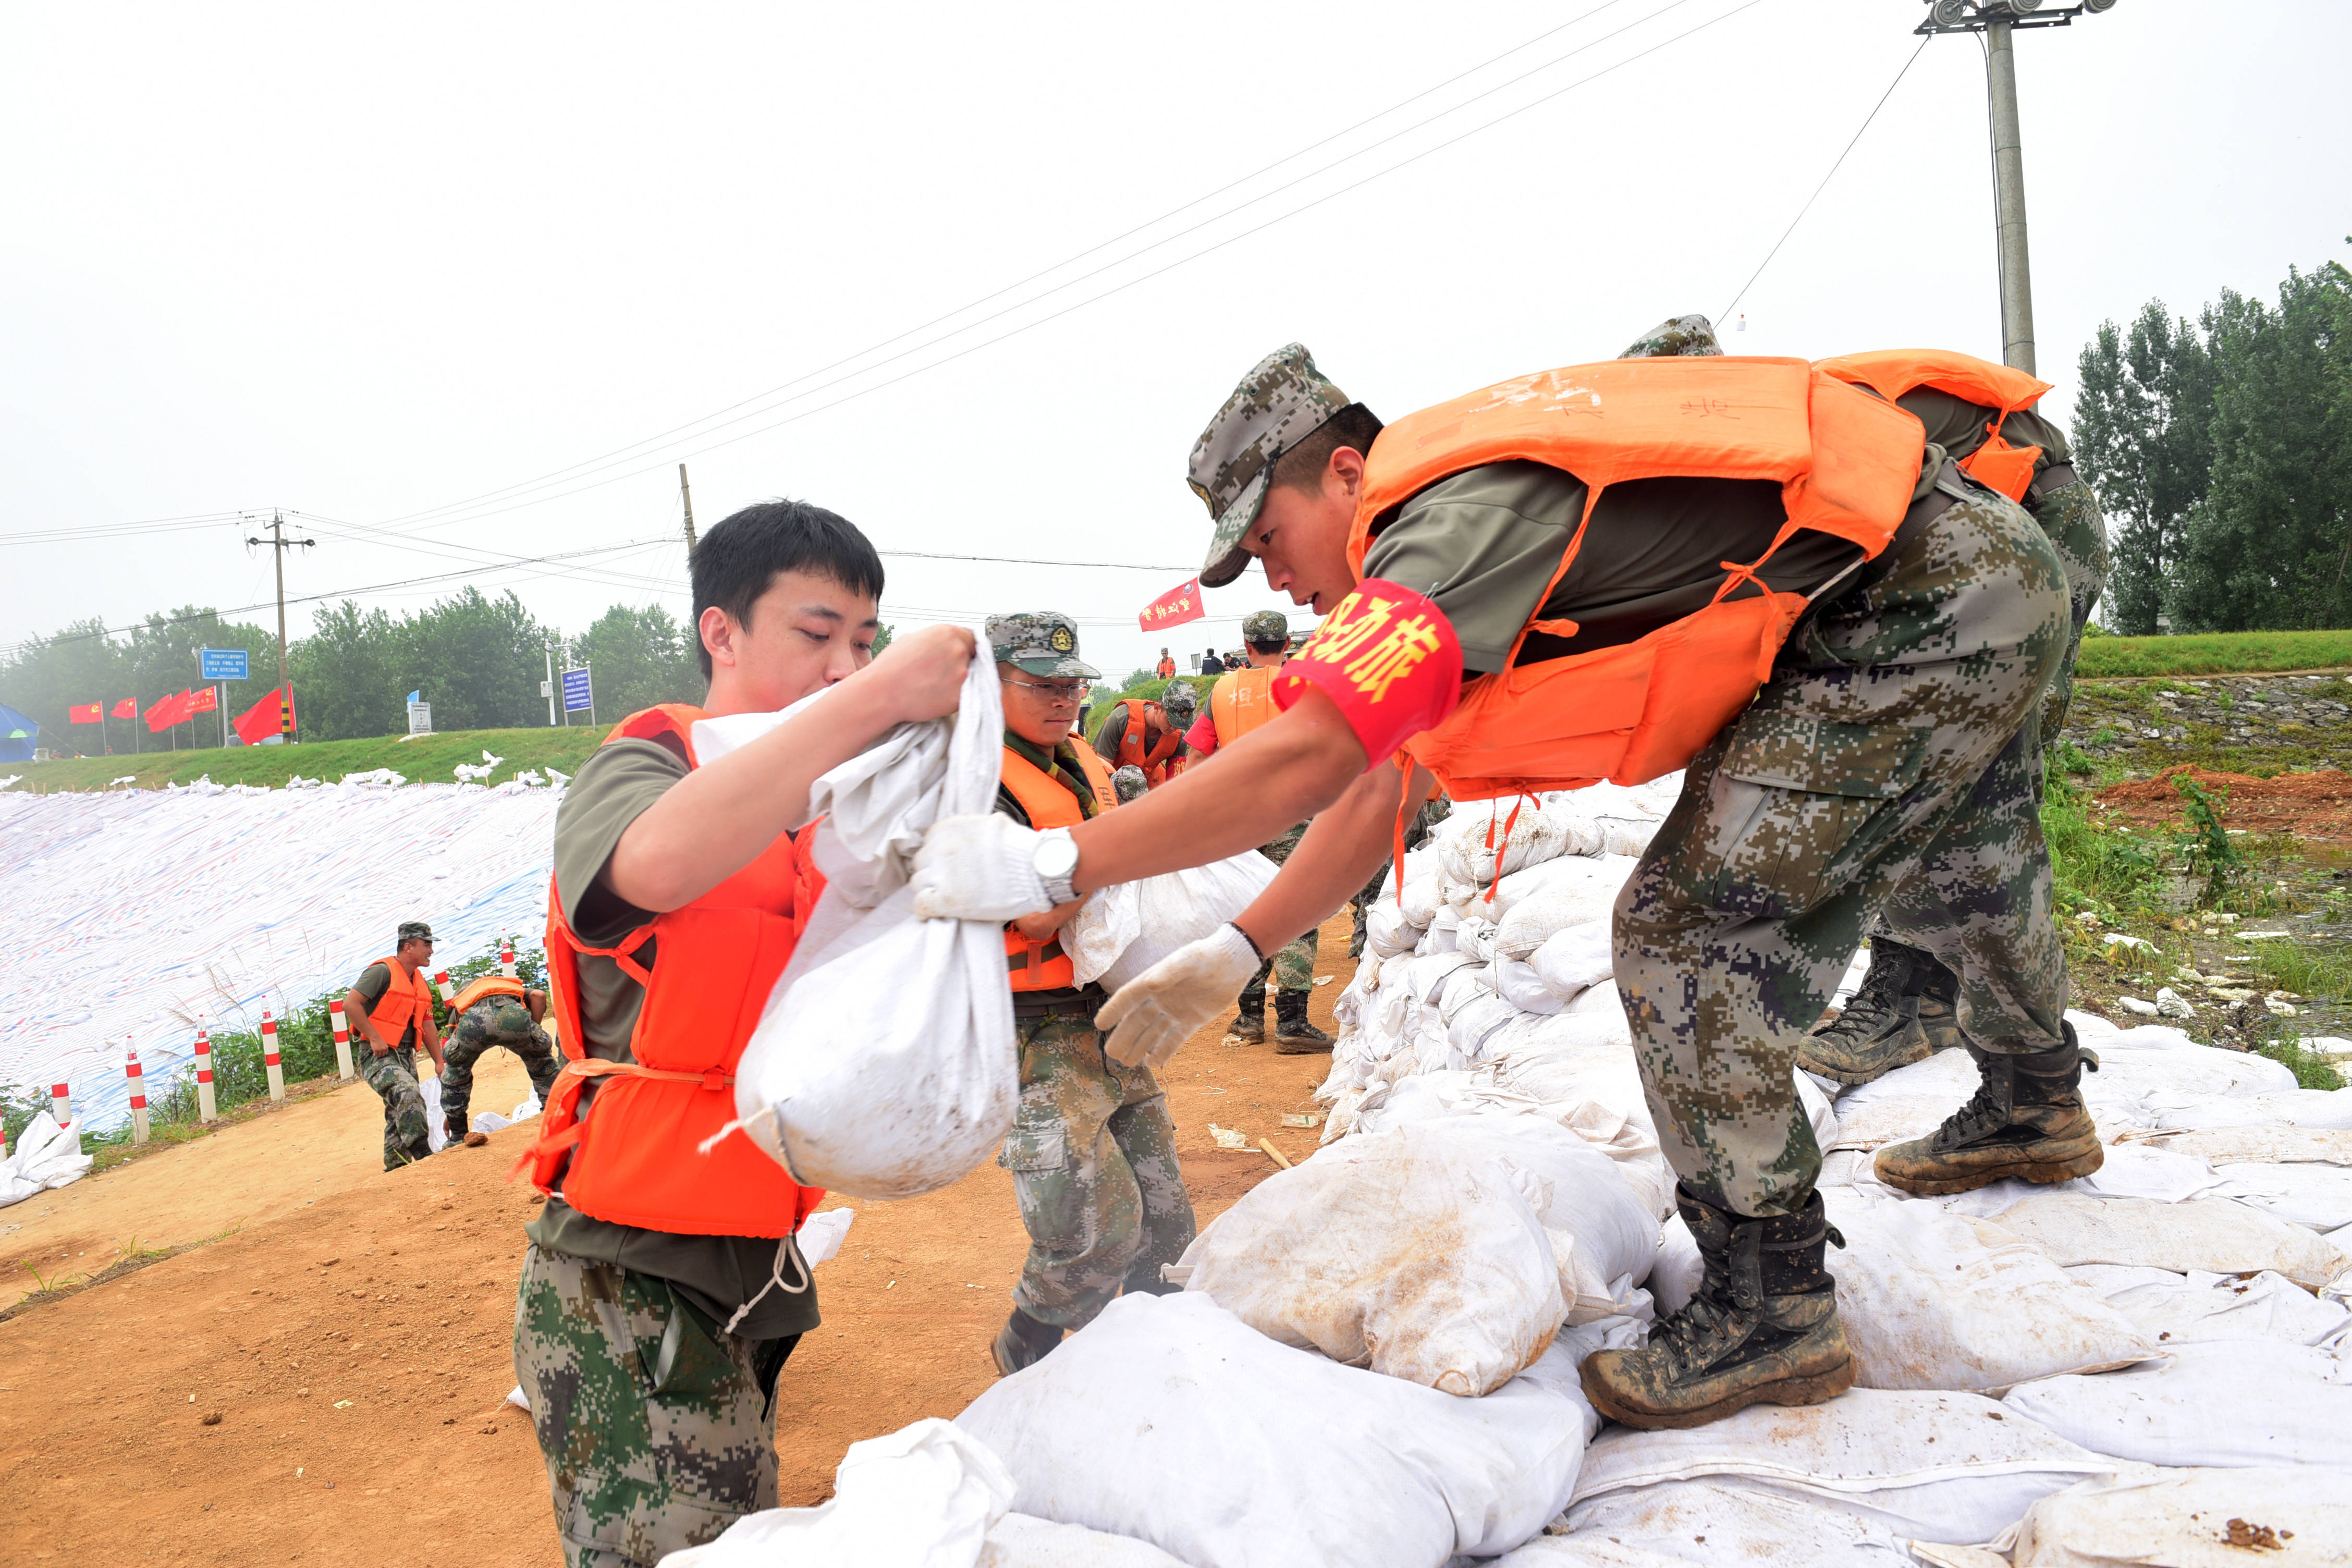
{"x":122,"y":530}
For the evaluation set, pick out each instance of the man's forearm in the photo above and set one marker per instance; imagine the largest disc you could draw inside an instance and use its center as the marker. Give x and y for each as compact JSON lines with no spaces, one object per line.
{"x":1335,"y":858}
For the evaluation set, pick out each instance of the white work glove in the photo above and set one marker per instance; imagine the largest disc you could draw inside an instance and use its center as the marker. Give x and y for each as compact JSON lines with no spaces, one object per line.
{"x":1157,"y":1011}
{"x":978,"y":868}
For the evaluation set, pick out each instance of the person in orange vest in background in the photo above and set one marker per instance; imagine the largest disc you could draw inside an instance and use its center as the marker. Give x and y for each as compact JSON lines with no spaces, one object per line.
{"x":1149,"y":735}
{"x":1742,"y":568}
{"x":1240,"y":702}
{"x":1092,"y":1151}
{"x":490,"y":1012}
{"x":1167,"y":667}
{"x":662,"y":1292}
{"x":392,"y":1007}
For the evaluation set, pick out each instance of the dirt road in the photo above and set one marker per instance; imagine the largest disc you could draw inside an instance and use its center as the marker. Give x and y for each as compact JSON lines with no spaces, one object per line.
{"x":352,"y":1333}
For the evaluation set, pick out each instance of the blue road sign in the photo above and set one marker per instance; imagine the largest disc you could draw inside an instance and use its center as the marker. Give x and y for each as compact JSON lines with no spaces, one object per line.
{"x":577,"y":698}
{"x":221,"y":664}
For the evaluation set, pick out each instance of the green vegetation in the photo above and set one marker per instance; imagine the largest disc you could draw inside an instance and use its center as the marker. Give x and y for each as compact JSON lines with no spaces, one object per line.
{"x":2214,"y":653}
{"x":427,"y":758}
{"x":1148,"y":688}
{"x":2311,"y":1069}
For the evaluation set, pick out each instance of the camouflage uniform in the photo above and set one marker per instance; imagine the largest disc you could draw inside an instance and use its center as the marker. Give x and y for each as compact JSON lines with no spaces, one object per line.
{"x":2070,"y":516}
{"x":394,"y":1077}
{"x":1888,"y":762}
{"x":655,"y":1425}
{"x":1130,"y":782}
{"x":492,"y":1021}
{"x":1293,"y":968}
{"x":1676,"y":337}
{"x":1093,"y":1157}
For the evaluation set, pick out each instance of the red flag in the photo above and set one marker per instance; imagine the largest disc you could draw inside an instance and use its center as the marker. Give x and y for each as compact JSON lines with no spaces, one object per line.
{"x":167,"y":712}
{"x":85,"y":713}
{"x":203,"y":699}
{"x":127,"y":708}
{"x":1174,"y":607}
{"x":258,"y":722}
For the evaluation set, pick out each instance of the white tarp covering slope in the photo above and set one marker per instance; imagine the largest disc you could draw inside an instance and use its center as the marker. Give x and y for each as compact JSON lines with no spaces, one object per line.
{"x":134,"y":913}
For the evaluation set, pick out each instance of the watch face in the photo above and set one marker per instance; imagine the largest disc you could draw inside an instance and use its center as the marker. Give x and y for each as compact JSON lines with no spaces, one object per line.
{"x":1058,"y":856}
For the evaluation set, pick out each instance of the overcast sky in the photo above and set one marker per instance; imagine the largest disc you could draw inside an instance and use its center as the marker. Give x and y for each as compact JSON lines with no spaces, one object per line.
{"x":390,"y":269}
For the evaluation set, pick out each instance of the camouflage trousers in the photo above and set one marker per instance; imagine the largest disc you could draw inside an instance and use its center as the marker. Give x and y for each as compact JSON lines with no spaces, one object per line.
{"x":467,"y":1043}
{"x":394,"y":1077}
{"x":1093,"y":1157}
{"x":1885,"y":765}
{"x":657,"y":1430}
{"x":1293,"y":968}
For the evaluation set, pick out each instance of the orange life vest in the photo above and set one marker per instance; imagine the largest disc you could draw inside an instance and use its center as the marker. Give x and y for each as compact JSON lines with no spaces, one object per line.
{"x":1240,"y":700}
{"x":1154,"y":762}
{"x":634,"y":1157}
{"x":487,"y":986}
{"x":2005,"y":389}
{"x":403,"y":1002}
{"x":1042,"y":965}
{"x":1846,"y":464}
{"x":1167,"y":668}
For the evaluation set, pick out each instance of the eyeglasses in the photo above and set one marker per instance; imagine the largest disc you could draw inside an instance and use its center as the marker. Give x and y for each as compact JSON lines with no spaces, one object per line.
{"x":1056,"y":696}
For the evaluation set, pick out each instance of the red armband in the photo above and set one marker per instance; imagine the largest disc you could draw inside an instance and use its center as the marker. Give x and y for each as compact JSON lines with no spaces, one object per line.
{"x":1389,"y":657}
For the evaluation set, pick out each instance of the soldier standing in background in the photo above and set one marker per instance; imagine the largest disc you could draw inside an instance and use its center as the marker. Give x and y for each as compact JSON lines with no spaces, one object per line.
{"x":1167,"y":668}
{"x":392,"y":1008}
{"x":493,"y":1011}
{"x":1239,"y":702}
{"x":1092,"y":1151}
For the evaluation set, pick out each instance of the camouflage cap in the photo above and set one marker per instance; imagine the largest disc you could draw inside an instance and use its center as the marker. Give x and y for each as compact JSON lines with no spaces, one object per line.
{"x":1676,"y":336}
{"x":1039,"y":642}
{"x":1128,"y":782}
{"x":1265,"y":625}
{"x":415,"y":930}
{"x":1180,"y":701}
{"x":1281,"y":403}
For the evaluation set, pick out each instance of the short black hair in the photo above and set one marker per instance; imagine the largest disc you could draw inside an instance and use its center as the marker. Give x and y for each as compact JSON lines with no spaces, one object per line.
{"x":1301,"y":467}
{"x":1277,"y":644}
{"x":735,"y":563}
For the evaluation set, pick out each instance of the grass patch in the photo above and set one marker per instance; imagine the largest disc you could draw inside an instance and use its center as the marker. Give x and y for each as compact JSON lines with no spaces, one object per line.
{"x":2214,"y":653}
{"x":2311,"y":1069}
{"x":427,"y":760}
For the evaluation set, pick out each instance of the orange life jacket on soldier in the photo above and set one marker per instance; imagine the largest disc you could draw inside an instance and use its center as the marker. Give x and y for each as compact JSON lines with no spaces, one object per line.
{"x":1167,"y":667}
{"x":487,"y":986}
{"x":1240,"y":700}
{"x":634,"y":1156}
{"x":1846,"y":464}
{"x":403,"y":1001}
{"x":1154,"y":762}
{"x":1042,"y":965}
{"x":2005,"y":389}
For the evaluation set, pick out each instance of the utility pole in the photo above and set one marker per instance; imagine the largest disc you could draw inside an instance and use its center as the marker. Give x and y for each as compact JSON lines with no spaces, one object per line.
{"x":687,"y":496}
{"x":1999,"y":21}
{"x":280,"y":544}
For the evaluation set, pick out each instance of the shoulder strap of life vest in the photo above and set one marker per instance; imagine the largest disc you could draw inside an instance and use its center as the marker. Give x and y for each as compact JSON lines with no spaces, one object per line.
{"x":1098,"y":774}
{"x":1240,"y":700}
{"x":1045,"y":798}
{"x":671,"y":719}
{"x":1130,"y":740}
{"x":1891,"y":372}
{"x":487,"y":986}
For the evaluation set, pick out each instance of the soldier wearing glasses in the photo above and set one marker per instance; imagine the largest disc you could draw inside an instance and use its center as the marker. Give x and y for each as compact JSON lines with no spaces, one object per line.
{"x":1092,"y":1151}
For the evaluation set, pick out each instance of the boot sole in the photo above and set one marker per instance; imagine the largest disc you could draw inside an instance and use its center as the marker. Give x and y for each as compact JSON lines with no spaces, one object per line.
{"x":2041,"y":1173}
{"x":1302,"y":1048}
{"x":1818,"y":1388}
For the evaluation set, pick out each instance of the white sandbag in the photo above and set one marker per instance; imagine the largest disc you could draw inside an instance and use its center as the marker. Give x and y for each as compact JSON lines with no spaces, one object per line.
{"x":1939,"y":1300}
{"x":2229,"y":1403}
{"x":1169,"y":1420}
{"x":1519,"y":984}
{"x":2171,"y":1308}
{"x":1928,"y":1466}
{"x":2316,"y":1196}
{"x":1574,"y":959}
{"x":1547,"y":879}
{"x":2128,"y":1171}
{"x":922,"y":1496}
{"x":1674,"y":1276}
{"x":1424,"y":896}
{"x":1576,"y":891}
{"x":1387,"y":932}
{"x":46,"y":1156}
{"x":929,"y":1089}
{"x":2282,"y":1518}
{"x":2214,"y":1235}
{"x":2254,"y":1145}
{"x":1123,"y":930}
{"x":1711,"y":1524}
{"x":1910,"y":1102}
{"x":1477,"y":1020}
{"x":1022,"y":1540}
{"x":2327,"y":1110}
{"x":437,"y":1132}
{"x":1819,"y":1112}
{"x":1475,"y":936}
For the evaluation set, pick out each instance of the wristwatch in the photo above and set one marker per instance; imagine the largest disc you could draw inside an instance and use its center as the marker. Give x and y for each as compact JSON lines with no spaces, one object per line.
{"x":1055,"y":862}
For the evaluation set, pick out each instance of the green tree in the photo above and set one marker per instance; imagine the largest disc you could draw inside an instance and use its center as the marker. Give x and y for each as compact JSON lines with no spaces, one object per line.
{"x":477,"y":660}
{"x":344,"y":682}
{"x":638,"y":658}
{"x":2141,"y":435}
{"x":881,"y":639}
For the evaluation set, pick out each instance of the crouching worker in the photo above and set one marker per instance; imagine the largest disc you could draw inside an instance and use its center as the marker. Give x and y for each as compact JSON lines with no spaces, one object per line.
{"x":1744,"y":568}
{"x":662,"y":1292}
{"x":493,"y":1011}
{"x":1092,"y":1153}
{"x":392,"y":1007}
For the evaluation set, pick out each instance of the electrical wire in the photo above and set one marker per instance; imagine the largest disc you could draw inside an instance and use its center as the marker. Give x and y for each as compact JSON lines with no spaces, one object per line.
{"x":122,"y":530}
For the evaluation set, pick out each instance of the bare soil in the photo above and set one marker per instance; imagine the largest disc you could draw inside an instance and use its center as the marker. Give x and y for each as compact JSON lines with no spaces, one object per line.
{"x":2307,"y":805}
{"x":351,"y":1328}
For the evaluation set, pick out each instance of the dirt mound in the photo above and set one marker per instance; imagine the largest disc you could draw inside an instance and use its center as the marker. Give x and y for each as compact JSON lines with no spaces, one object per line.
{"x":2309,"y":806}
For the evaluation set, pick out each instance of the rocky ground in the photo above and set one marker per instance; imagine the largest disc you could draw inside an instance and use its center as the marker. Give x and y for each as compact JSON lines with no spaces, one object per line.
{"x":2255,"y":724}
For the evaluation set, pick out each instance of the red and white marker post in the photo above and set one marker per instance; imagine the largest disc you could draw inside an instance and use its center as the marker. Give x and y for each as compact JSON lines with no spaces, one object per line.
{"x":61,"y":1103}
{"x":342,"y":1040}
{"x":207,"y":1106}
{"x":449,"y":992}
{"x":270,"y":1056}
{"x":507,"y":958}
{"x":137,"y":1097}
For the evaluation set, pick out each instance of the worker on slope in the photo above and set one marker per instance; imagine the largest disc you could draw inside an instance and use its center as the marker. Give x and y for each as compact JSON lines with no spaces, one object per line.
{"x":1239,"y":703}
{"x":1092,"y":1151}
{"x":1986,"y":418}
{"x":1149,"y":735}
{"x":490,"y":1012}
{"x":392,"y":1005}
{"x":1560,"y":538}
{"x":1166,"y":669}
{"x":662,"y":1292}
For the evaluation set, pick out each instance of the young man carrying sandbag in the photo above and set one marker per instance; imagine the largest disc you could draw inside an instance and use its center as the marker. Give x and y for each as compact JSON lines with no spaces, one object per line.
{"x":1742,"y":567}
{"x":1092,"y":1153}
{"x":661,"y":1292}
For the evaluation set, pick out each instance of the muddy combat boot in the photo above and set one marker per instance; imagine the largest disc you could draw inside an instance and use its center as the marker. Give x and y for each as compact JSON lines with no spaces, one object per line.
{"x":1762,"y":1326}
{"x":2027,"y":1119}
{"x":1250,"y":1025}
{"x":1293,"y":1035}
{"x":1022,"y":1341}
{"x":1883,"y":1026}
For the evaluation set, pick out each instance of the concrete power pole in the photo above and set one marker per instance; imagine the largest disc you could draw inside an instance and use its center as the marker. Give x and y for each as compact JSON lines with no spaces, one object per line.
{"x":280,"y":544}
{"x":687,"y":496}
{"x":1998,"y":20}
